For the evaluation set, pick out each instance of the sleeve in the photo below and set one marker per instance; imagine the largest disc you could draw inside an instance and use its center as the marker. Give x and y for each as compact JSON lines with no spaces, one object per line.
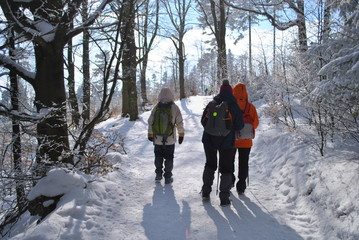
{"x":150,"y":123}
{"x":204,"y":119}
{"x":237,"y":117}
{"x":178,"y":120}
{"x":254,"y":115}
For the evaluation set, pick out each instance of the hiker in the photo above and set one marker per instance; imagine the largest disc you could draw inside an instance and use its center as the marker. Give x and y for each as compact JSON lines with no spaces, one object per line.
{"x":164,"y":142}
{"x":222,"y":144}
{"x":244,"y":143}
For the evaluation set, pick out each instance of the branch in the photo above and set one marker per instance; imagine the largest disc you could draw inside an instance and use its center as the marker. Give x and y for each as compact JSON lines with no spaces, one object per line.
{"x":21,"y":116}
{"x":278,"y":25}
{"x":88,"y":22}
{"x":21,"y":24}
{"x":206,"y":18}
{"x":18,"y":69}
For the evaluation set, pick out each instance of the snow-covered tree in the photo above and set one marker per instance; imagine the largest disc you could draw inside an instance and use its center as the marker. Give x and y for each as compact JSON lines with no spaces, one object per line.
{"x":216,"y":16}
{"x":48,"y":26}
{"x":177,"y":11}
{"x":338,"y":89}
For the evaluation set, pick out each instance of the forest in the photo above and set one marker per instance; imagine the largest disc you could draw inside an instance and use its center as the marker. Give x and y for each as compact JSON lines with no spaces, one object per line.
{"x":66,"y":66}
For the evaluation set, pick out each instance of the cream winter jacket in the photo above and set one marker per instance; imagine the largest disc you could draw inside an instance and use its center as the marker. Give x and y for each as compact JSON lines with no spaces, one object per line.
{"x":166,"y":96}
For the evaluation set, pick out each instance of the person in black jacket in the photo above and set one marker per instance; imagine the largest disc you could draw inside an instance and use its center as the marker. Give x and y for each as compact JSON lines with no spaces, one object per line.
{"x":222,"y":144}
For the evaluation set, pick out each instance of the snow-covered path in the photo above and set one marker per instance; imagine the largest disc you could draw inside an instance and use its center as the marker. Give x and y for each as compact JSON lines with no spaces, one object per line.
{"x":292,"y":194}
{"x":157,"y":211}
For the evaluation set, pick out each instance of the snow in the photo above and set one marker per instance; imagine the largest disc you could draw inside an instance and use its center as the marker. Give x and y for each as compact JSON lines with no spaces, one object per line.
{"x":46,"y":29}
{"x":293,"y":193}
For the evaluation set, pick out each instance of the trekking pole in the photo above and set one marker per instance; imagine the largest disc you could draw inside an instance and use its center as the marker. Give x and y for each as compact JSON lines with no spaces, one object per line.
{"x":248,"y":178}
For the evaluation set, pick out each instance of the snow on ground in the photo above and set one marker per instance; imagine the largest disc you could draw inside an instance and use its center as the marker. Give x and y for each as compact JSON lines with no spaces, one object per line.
{"x":293,"y":193}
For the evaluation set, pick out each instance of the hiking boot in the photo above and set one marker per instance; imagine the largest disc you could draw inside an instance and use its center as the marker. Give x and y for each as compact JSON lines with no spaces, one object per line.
{"x":168,"y":180}
{"x":158,"y":177}
{"x":241,"y":187}
{"x":225,"y":202}
{"x":205,"y":196}
{"x":240,"y":192}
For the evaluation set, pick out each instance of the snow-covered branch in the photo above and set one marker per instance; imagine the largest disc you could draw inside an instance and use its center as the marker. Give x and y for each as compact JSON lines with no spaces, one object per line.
{"x":21,"y":23}
{"x":21,"y":116}
{"x":89,"y":21}
{"x":14,"y":66}
{"x":277,"y":24}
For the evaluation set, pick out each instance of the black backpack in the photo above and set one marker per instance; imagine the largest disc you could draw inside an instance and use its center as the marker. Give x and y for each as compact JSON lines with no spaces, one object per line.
{"x":219,"y":119}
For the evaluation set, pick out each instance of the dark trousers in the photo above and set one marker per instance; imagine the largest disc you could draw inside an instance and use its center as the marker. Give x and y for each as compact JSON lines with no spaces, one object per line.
{"x":243,"y":159}
{"x":225,"y":168}
{"x":164,"y":153}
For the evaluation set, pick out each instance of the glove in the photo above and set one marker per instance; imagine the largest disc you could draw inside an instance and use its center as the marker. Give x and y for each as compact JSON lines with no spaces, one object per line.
{"x":180,"y":139}
{"x":150,"y":137}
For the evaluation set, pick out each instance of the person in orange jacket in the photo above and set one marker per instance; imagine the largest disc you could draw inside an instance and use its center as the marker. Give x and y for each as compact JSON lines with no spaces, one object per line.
{"x":243,"y":145}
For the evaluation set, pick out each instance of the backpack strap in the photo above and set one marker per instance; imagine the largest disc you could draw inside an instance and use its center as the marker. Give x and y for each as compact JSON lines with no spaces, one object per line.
{"x":246,"y":114}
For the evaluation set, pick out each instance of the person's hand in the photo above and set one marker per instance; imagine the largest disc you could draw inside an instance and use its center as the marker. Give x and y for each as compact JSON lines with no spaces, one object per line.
{"x":150,"y":137}
{"x":180,"y":139}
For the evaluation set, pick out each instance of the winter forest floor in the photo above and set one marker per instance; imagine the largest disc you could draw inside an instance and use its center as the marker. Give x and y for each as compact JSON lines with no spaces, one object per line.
{"x":293,"y":192}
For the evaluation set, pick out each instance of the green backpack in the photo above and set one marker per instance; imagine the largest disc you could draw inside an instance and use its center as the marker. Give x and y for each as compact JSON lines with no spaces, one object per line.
{"x":162,"y":121}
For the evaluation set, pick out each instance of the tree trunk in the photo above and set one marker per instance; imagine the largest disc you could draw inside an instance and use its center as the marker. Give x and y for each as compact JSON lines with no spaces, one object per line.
{"x":220,"y":34}
{"x":181,"y":60}
{"x":302,"y":29}
{"x":326,"y":21}
{"x":71,"y":86}
{"x":274,"y":47}
{"x":129,"y":90}
{"x":16,"y":147}
{"x":50,"y":94}
{"x":250,"y":45}
{"x":86,"y":67}
{"x":143,"y":81}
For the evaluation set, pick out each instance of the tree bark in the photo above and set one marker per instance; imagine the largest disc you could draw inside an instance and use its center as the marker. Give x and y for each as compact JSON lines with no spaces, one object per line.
{"x":302,"y":29}
{"x":86,"y":100}
{"x":50,"y":94}
{"x":326,"y":21}
{"x":75,"y":115}
{"x":129,"y":63}
{"x":16,"y":147}
{"x":181,"y":60}
{"x":220,"y":35}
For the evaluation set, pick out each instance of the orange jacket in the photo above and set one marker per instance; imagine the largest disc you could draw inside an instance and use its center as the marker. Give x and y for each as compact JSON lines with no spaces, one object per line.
{"x":241,"y":95}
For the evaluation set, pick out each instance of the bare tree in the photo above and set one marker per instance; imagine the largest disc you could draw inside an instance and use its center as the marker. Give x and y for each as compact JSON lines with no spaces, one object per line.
{"x":146,"y":41}
{"x":215,"y":16}
{"x":177,"y":12}
{"x":48,"y":78}
{"x":109,"y":69}
{"x":298,"y":8}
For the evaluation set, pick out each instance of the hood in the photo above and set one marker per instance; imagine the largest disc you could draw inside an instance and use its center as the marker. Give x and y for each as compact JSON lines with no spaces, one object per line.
{"x":166,"y":96}
{"x":240,"y":92}
{"x":225,"y":96}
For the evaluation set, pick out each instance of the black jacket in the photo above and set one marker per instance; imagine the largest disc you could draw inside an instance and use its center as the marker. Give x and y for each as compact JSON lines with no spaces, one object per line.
{"x":224,"y":142}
